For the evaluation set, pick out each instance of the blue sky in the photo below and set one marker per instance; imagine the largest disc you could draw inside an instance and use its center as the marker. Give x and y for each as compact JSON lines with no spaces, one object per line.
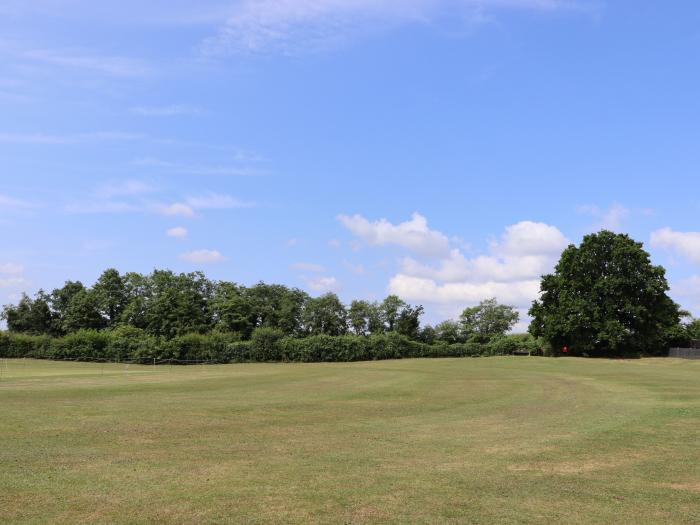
{"x":444,"y":150}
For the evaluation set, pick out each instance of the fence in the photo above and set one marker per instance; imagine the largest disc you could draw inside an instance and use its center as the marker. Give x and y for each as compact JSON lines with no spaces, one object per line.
{"x":685,"y":353}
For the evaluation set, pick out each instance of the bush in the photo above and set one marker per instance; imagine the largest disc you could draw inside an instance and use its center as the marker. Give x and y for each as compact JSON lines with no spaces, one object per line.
{"x":264,"y":344}
{"x":23,"y":345}
{"x":238,"y":352}
{"x":128,"y":342}
{"x":81,"y":344}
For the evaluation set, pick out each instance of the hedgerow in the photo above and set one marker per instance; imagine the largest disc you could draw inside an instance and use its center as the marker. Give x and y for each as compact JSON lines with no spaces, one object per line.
{"x":265,"y":345}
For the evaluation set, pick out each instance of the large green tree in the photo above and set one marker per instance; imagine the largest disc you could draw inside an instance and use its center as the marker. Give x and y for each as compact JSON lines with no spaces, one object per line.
{"x":488,"y":320}
{"x":605,"y":297}
{"x":111,"y":294}
{"x":325,"y":315}
{"x":31,"y":316}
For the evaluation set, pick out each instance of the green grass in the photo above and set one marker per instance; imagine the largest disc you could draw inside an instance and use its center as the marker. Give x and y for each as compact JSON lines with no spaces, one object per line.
{"x":492,"y":440}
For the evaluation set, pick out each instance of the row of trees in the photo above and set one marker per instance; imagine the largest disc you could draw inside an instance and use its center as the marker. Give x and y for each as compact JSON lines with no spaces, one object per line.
{"x":165,"y":304}
{"x":604,"y":298}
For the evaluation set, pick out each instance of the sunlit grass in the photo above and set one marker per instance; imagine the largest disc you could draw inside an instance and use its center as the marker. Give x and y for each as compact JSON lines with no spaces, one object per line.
{"x":493,"y":440}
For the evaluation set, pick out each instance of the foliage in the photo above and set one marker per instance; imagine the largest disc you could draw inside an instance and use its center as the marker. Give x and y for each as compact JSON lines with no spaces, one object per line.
{"x":325,"y":315}
{"x":266,"y":345}
{"x":605,"y":298}
{"x":693,"y":330}
{"x":488,"y":320}
{"x":30,"y":316}
{"x":449,"y":331}
{"x":168,"y":305}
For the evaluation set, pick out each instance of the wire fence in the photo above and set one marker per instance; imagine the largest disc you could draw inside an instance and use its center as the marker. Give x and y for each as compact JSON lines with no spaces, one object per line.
{"x":129,"y":360}
{"x":22,"y":362}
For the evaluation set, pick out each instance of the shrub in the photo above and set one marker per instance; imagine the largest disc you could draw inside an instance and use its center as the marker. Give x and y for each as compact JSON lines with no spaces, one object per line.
{"x":23,"y":345}
{"x":127,"y":342}
{"x":81,"y":344}
{"x":238,"y":352}
{"x":264,"y":344}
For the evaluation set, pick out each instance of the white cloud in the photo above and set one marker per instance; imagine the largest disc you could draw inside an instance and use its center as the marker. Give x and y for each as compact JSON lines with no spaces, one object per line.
{"x":167,"y":111}
{"x":528,"y":238}
{"x":11,"y":268}
{"x":292,"y":26}
{"x":291,"y":243}
{"x":689,"y":290}
{"x":519,"y":293}
{"x":308,"y":267}
{"x":413,"y":234}
{"x":323,"y":284}
{"x":686,"y":244}
{"x":203,"y":256}
{"x":484,"y":267}
{"x":510,"y":272}
{"x":178,"y":232}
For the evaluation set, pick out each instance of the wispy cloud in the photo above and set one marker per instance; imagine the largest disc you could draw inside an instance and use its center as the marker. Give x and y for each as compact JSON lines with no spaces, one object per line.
{"x":215,"y":201}
{"x":124,"y":188}
{"x":293,"y":26}
{"x":187,"y":169}
{"x":113,"y":197}
{"x":611,"y":218}
{"x":203,"y":256}
{"x":308,"y":267}
{"x":76,"y":138}
{"x":209,"y":201}
{"x":357,"y":269}
{"x":116,"y":66}
{"x":176,"y":209}
{"x":167,"y":111}
{"x":14,"y":282}
{"x":11,"y":268}
{"x":102,"y":206}
{"x":12,"y":203}
{"x":177,"y":232}
{"x":323,"y":284}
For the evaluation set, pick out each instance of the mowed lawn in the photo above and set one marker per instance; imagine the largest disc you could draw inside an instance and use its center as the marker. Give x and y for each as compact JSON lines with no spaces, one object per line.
{"x":489,"y":440}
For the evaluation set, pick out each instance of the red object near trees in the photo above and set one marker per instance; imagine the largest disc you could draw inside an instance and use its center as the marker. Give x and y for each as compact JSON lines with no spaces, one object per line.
{"x":565,"y":349}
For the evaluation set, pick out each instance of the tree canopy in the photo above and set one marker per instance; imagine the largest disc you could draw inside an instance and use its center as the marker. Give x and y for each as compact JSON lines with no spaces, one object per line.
{"x":166,"y":304}
{"x":605,"y":297}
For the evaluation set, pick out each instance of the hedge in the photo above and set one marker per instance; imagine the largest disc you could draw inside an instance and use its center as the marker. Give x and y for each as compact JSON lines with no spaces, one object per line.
{"x":266,"y":345}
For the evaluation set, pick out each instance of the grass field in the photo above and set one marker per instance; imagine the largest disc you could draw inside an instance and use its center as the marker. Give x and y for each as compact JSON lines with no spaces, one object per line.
{"x":491,"y":440}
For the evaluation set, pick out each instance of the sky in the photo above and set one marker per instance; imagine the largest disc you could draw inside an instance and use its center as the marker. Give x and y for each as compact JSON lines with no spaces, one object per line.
{"x":442,"y":150}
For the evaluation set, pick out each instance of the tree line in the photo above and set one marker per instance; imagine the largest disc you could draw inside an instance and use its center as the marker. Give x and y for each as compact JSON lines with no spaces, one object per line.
{"x":604,"y":298}
{"x":168,"y":305}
